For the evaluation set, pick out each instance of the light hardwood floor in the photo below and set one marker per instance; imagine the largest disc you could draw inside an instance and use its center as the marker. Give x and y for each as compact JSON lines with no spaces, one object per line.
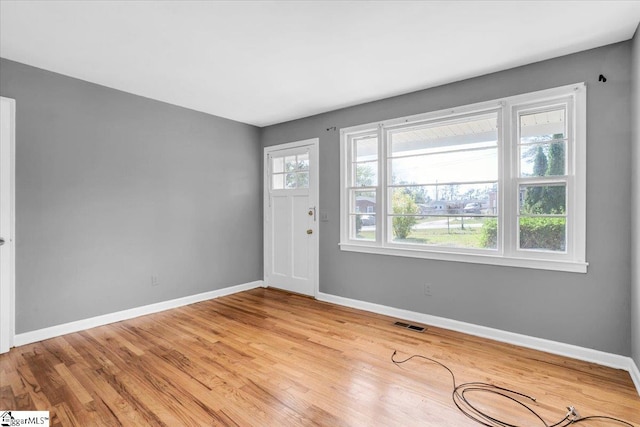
{"x":270,"y":358}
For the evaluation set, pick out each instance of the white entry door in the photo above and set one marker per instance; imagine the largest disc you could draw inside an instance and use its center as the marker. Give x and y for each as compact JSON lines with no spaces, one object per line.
{"x":291,"y":217}
{"x":7,"y":144}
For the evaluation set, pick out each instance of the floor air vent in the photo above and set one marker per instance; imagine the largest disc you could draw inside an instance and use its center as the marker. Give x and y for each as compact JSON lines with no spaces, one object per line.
{"x":409,"y":326}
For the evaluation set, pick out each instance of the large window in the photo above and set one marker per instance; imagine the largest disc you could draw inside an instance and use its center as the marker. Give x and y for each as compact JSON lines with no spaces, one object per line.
{"x":501,"y":182}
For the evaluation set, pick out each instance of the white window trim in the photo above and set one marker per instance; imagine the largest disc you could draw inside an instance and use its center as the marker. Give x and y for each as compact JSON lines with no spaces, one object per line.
{"x":508,"y":253}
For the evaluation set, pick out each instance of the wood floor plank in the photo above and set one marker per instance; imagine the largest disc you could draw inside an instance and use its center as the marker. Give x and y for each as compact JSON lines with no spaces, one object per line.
{"x":270,"y":358}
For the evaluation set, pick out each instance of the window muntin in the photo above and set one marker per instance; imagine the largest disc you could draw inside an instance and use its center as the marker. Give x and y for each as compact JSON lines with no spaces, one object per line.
{"x":476,"y":168}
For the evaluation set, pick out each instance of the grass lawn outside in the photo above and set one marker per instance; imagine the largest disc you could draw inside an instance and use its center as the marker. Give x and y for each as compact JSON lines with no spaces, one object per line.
{"x":452,"y":236}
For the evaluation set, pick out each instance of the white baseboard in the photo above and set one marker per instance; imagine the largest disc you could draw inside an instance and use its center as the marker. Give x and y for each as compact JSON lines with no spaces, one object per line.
{"x":581,"y":353}
{"x":80,"y":325}
{"x":635,"y":374}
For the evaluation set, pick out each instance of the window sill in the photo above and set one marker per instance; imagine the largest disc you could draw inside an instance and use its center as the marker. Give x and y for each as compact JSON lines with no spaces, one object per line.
{"x":538,"y":264}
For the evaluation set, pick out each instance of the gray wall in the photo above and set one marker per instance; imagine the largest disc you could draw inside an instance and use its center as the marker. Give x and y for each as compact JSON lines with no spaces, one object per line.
{"x":113,"y":188}
{"x":589,"y":310}
{"x":635,"y":253}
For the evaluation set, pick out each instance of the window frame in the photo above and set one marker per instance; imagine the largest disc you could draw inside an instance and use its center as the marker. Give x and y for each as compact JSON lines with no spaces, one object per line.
{"x":508,"y":253}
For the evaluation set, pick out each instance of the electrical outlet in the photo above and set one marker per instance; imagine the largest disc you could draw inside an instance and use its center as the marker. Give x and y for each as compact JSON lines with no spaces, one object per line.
{"x":427,"y":289}
{"x":154,"y":281}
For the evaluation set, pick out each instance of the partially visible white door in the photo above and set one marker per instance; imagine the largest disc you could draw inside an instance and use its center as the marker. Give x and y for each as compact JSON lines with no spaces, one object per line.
{"x":7,"y":145}
{"x":290,"y":217}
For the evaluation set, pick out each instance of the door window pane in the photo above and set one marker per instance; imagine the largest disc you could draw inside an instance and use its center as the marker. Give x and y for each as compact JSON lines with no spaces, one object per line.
{"x":302,"y":162}
{"x":290,"y":163}
{"x":277,"y":181}
{"x":302,"y":180}
{"x":290,"y":172}
{"x":291,"y":180}
{"x":278,"y":165}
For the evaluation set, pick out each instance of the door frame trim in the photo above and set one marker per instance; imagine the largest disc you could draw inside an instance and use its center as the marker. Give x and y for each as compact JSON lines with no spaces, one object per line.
{"x":313,"y":144}
{"x":7,"y":290}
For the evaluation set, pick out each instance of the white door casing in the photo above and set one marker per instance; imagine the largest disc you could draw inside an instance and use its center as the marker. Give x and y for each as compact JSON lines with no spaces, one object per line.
{"x":7,"y":224}
{"x":291,"y":217}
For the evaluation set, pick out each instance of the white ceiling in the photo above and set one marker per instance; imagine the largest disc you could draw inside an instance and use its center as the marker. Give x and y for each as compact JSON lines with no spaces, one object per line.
{"x":265,"y":62}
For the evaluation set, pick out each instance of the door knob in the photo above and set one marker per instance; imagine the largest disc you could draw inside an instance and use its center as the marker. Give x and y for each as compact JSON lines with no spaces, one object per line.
{"x":309,"y":231}
{"x":1,"y":241}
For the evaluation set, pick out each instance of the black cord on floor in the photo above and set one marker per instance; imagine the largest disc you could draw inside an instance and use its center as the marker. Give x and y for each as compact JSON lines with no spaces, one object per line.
{"x":467,"y":408}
